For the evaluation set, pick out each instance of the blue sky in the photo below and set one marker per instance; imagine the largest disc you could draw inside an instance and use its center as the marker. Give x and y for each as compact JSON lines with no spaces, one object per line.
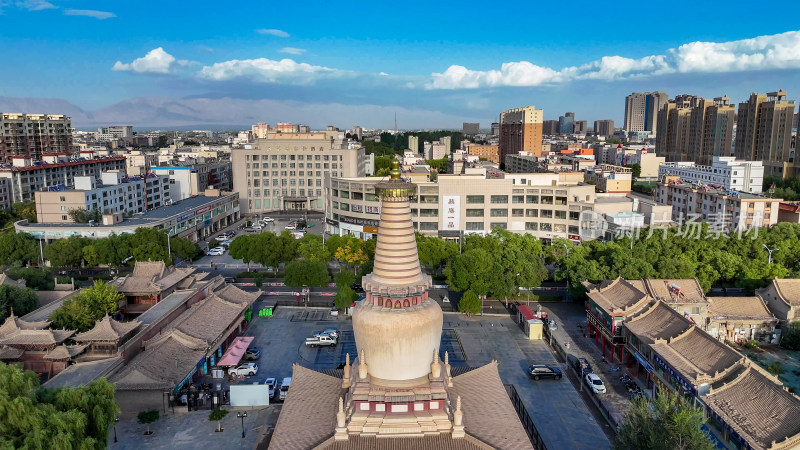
{"x":435,"y":64}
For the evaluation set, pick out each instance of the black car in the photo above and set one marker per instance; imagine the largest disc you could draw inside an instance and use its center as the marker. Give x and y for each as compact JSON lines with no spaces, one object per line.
{"x":538,"y":371}
{"x":583,"y":366}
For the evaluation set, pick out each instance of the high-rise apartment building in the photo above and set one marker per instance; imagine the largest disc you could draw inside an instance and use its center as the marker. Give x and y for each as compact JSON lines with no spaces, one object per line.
{"x":286,"y":171}
{"x":413,"y":144}
{"x":566,"y":123}
{"x":550,"y":127}
{"x":604,"y":127}
{"x":469,"y":128}
{"x":695,"y":129}
{"x":764,"y":132}
{"x":521,"y":131}
{"x":579,"y":127}
{"x":495,"y":129}
{"x":641,"y":110}
{"x":717,"y":131}
{"x":32,"y":135}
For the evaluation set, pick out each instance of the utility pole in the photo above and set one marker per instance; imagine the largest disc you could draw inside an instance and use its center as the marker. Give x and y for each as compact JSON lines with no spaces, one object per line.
{"x":566,"y":293}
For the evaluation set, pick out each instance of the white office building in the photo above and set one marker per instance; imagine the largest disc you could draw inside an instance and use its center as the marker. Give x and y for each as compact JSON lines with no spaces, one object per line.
{"x":725,"y":172}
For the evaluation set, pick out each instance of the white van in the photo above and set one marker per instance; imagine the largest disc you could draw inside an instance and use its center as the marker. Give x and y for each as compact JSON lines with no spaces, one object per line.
{"x":284,"y":388}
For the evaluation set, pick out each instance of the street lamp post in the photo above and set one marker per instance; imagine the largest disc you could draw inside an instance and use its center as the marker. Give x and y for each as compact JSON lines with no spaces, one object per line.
{"x":242,"y":415}
{"x":770,"y":250}
{"x":116,"y":419}
{"x":566,"y":293}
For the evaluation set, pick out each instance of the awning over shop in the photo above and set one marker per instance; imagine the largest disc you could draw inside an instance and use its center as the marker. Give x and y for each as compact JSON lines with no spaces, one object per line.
{"x":235,"y":352}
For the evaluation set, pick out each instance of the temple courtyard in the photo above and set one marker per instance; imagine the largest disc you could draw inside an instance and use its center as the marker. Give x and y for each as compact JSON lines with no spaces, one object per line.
{"x":557,"y":409}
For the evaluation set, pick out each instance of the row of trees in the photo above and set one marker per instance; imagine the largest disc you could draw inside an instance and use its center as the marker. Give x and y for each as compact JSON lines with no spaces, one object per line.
{"x":32,"y":417}
{"x":682,"y":253}
{"x":146,"y":244}
{"x":86,"y":307}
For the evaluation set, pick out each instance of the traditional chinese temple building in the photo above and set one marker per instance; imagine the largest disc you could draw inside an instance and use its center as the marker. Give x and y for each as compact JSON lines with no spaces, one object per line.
{"x":38,"y":349}
{"x":398,"y":393}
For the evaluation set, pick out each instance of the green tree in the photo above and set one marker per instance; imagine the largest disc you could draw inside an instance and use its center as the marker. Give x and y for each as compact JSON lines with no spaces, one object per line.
{"x":217,"y":415}
{"x":470,"y":270}
{"x":22,"y":301}
{"x":25,"y":210}
{"x":85,"y":308}
{"x":344,"y":279}
{"x":242,"y":248}
{"x":306,"y":273}
{"x":469,"y":303}
{"x":36,"y":278}
{"x":80,"y":215}
{"x":66,"y":252}
{"x":18,"y":248}
{"x":636,"y":170}
{"x":34,"y":417}
{"x":310,"y":247}
{"x":669,"y":422}
{"x":148,"y":417}
{"x":433,"y":252}
{"x":344,"y":298}
{"x":439,"y":165}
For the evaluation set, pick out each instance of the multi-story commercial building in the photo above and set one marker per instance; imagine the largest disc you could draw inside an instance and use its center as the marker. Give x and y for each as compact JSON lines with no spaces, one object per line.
{"x":285,"y":171}
{"x":495,"y":128}
{"x":524,"y":163}
{"x":195,"y":218}
{"x":521,"y":131}
{"x":117,"y":194}
{"x":27,"y":177}
{"x":33,"y":135}
{"x":194,"y":179}
{"x":725,"y":209}
{"x":138,"y":162}
{"x":489,"y":152}
{"x":641,"y":110}
{"x":610,"y":179}
{"x":693,"y":129}
{"x":764,"y":133}
{"x":469,"y":128}
{"x":115,"y":132}
{"x":579,"y":127}
{"x":604,"y":127}
{"x":546,"y":205}
{"x":725,"y":173}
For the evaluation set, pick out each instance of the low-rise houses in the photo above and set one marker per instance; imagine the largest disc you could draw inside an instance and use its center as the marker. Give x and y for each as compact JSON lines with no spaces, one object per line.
{"x":656,"y":333}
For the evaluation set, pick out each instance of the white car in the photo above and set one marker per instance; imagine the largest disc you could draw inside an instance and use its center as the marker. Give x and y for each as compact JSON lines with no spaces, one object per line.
{"x":271,"y":383}
{"x":331,"y":332}
{"x":595,"y":383}
{"x":267,"y":219}
{"x":245,"y":369}
{"x":290,"y":227}
{"x":216,"y":251}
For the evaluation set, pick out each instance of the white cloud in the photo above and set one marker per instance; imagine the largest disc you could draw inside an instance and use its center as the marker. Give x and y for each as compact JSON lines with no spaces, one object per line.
{"x":36,"y":5}
{"x":780,"y":51}
{"x":155,"y":61}
{"x":273,"y":32}
{"x":292,"y":50}
{"x":269,"y":71}
{"x":102,"y":15}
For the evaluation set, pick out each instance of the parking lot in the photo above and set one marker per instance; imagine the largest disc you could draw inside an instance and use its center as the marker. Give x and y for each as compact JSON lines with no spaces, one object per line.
{"x":556,"y":408}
